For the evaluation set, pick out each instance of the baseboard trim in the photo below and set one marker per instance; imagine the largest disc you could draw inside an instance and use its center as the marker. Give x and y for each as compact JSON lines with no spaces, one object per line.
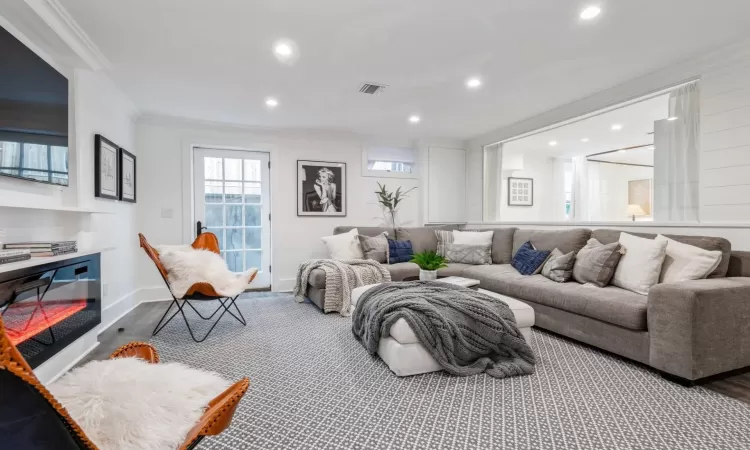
{"x":153,"y":294}
{"x":285,"y":285}
{"x":110,"y":314}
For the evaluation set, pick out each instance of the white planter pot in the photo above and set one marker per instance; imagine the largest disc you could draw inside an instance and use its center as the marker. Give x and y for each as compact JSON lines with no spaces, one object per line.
{"x":427,"y":275}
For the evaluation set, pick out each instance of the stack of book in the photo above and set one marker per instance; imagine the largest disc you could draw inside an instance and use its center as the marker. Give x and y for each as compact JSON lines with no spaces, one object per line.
{"x":11,"y":256}
{"x":52,"y":248}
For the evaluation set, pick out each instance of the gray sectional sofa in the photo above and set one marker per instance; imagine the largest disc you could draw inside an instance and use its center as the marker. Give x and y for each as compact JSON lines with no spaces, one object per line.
{"x":689,"y":330}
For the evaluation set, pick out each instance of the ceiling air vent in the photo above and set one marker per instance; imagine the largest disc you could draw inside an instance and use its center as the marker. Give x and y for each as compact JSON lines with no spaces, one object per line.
{"x":371,"y":88}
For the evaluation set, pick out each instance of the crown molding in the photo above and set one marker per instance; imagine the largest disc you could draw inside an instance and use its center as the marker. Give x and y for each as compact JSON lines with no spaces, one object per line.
{"x":63,"y":24}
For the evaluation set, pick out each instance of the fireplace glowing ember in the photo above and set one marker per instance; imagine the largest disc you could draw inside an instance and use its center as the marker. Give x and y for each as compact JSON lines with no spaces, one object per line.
{"x":26,"y":320}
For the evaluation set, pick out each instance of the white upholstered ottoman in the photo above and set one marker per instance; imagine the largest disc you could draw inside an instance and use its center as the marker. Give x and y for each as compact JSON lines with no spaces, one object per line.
{"x":405,"y":355}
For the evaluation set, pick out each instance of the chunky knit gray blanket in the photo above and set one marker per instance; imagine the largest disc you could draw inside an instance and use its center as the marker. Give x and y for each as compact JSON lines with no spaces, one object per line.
{"x":467,"y":332}
{"x":342,"y":276}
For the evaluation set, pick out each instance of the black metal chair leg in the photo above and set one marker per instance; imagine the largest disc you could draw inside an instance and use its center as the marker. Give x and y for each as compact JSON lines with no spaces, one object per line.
{"x":228,"y":304}
{"x":158,"y":328}
{"x":201,"y":315}
{"x":191,"y":330}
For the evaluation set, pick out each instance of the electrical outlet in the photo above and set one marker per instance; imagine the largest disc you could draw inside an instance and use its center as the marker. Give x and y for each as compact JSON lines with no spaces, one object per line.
{"x":105,"y":289}
{"x":167,"y":213}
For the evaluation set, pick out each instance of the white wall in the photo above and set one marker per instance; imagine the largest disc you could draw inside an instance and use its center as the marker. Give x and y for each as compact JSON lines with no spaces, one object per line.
{"x":725,"y":128}
{"x":164,"y":164}
{"x":725,"y":135}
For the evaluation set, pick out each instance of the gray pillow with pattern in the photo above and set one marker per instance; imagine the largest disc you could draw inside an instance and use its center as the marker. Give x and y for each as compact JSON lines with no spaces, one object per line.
{"x":468,"y":254}
{"x":443,"y":237}
{"x":596,"y":263}
{"x":375,"y":248}
{"x":559,"y":267}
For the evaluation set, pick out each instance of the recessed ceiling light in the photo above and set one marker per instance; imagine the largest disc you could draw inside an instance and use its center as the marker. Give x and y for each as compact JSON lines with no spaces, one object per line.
{"x":272,"y":102}
{"x":590,"y":12}
{"x":473,"y":83}
{"x":616,"y":127}
{"x":621,"y":151}
{"x":585,"y":140}
{"x":552,"y":143}
{"x":671,"y":119}
{"x":285,"y":51}
{"x":414,"y":119}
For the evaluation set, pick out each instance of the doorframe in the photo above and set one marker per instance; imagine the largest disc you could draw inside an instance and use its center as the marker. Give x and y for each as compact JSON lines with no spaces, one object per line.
{"x":188,"y":207}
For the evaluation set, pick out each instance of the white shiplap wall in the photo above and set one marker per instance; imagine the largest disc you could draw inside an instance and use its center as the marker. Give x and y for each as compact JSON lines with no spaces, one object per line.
{"x":725,"y":135}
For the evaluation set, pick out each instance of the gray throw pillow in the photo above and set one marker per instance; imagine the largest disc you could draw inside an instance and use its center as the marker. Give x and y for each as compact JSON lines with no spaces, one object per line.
{"x":375,"y":248}
{"x":443,"y":237}
{"x":559,"y":267}
{"x":469,"y":254}
{"x":596,"y":263}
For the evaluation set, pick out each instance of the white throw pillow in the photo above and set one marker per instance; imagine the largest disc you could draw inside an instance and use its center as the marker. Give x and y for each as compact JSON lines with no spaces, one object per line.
{"x":344,"y":246}
{"x":640,"y":265}
{"x":686,"y":262}
{"x":472,"y":237}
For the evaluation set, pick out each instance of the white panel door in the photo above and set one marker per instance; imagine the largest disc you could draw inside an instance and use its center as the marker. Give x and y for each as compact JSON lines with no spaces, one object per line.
{"x":446,"y":185}
{"x":232,"y":200}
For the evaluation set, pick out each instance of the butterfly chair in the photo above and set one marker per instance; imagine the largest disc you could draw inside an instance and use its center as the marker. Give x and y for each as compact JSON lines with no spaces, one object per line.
{"x":197,"y":292}
{"x":31,"y":418}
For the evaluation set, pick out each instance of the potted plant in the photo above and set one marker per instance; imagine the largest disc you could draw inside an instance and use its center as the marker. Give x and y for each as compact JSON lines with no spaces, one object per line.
{"x":390,"y":200}
{"x":429,"y":262}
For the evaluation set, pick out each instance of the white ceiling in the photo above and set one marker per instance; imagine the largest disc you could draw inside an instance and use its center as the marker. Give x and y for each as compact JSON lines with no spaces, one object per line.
{"x":637,"y":121}
{"x":212,"y":60}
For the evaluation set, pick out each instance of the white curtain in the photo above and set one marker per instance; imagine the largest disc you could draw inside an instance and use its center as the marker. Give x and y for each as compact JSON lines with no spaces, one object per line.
{"x":587,"y":190}
{"x":580,"y":189}
{"x":677,"y":157}
{"x":558,"y":189}
{"x":493,"y":157}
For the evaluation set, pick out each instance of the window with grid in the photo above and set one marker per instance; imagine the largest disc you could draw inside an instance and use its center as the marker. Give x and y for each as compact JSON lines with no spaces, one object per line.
{"x":233,"y":209}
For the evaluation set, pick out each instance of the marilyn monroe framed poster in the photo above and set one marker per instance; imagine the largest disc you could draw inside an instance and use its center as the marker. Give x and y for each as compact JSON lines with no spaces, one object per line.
{"x":321,"y":188}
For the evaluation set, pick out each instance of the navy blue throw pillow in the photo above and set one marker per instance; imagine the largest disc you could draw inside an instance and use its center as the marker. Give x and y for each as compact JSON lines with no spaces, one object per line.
{"x":528,"y":260}
{"x":399,"y":251}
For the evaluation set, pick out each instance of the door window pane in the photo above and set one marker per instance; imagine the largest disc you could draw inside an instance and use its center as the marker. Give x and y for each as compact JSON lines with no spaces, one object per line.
{"x":233,"y":192}
{"x":253,"y":259}
{"x":219,"y":232}
{"x":234,"y":261}
{"x":35,"y":157}
{"x":252,"y":193}
{"x":252,"y":170}
{"x":234,"y":239}
{"x":234,"y":216}
{"x":232,"y":169}
{"x":212,"y":168}
{"x":252,"y":237}
{"x":252,"y":215}
{"x":214,"y":215}
{"x":213,"y":191}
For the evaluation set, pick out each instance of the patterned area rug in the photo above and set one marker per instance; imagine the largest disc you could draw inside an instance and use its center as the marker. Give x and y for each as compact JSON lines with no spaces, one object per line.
{"x":312,"y":386}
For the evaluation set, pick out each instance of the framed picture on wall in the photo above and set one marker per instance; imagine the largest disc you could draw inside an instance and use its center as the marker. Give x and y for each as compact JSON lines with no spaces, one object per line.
{"x":520,"y":191}
{"x":106,"y":168}
{"x":127,"y":176}
{"x":321,"y":188}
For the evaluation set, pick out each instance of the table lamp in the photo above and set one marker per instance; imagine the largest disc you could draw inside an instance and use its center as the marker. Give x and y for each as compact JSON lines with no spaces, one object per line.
{"x":635,"y":210}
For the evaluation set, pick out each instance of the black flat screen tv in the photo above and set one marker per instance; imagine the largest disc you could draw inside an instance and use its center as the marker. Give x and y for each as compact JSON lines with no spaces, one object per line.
{"x":33,"y":115}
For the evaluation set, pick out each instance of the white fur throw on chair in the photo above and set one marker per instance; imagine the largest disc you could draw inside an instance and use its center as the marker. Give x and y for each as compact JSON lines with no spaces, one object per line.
{"x":187,"y":266}
{"x":129,"y":404}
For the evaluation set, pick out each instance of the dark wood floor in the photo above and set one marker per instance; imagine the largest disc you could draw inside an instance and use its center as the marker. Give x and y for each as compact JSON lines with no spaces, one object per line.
{"x":139,"y":323}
